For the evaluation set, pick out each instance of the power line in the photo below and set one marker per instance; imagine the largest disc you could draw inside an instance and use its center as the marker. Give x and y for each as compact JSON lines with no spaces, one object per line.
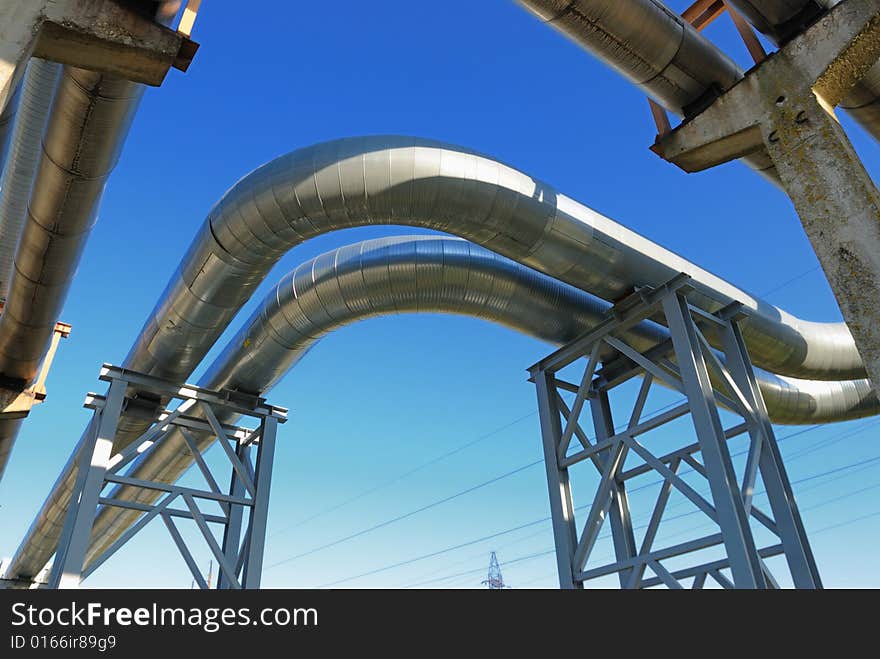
{"x":847,"y":522}
{"x":546,"y":519}
{"x":471,"y":443}
{"x":438,"y":552}
{"x":790,"y":281}
{"x":464,"y":492}
{"x":404,"y":475}
{"x":552,"y":550}
{"x":479,"y":486}
{"x":409,"y":514}
{"x":803,"y":510}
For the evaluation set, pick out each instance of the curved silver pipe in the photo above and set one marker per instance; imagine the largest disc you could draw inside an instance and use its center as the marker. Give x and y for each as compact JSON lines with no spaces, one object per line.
{"x":410,"y":181}
{"x":780,"y":19}
{"x":431,"y":274}
{"x":437,"y":274}
{"x":427,"y":275}
{"x":37,"y":90}
{"x":655,"y":49}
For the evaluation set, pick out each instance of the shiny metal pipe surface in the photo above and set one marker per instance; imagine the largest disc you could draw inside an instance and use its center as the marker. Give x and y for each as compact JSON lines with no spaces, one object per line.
{"x":416,"y":182}
{"x":427,"y":275}
{"x":647,"y":43}
{"x":33,"y":98}
{"x":87,"y":125}
{"x":37,"y":90}
{"x":775,"y":18}
{"x":7,"y":121}
{"x":655,"y":49}
{"x":410,"y":181}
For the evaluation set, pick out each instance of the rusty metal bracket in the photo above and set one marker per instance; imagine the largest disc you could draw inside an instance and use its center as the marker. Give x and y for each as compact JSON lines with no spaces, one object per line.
{"x":16,"y":403}
{"x":701,"y":14}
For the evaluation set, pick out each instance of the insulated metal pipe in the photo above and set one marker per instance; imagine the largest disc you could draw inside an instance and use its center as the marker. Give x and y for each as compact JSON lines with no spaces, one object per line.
{"x":7,"y":121}
{"x":647,"y":43}
{"x":426,"y":275}
{"x":655,"y":49}
{"x":31,"y":105}
{"x":37,"y":90}
{"x":410,"y":181}
{"x":87,"y":125}
{"x":779,"y":19}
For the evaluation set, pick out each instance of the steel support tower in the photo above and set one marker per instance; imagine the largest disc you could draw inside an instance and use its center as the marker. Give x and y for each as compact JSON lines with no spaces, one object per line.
{"x":494,"y":580}
{"x":197,"y":421}
{"x":688,"y":364}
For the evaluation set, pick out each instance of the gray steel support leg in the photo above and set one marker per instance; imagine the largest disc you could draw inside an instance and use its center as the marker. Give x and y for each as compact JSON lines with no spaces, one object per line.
{"x":798,"y":553}
{"x":558,"y":485}
{"x":94,"y":460}
{"x":232,"y":529}
{"x":621,"y":522}
{"x":253,"y":567}
{"x":745,"y":562}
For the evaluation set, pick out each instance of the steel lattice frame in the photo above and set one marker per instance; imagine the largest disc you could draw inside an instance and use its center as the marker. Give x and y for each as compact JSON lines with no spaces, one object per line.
{"x":686,"y":363}
{"x":194,"y":422}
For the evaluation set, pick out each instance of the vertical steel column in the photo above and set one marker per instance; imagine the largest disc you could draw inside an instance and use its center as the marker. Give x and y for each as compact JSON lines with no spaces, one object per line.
{"x":93,"y":463}
{"x":798,"y":553}
{"x":621,"y":522}
{"x":561,"y":505}
{"x":235,"y":517}
{"x":253,"y":567}
{"x":745,"y":564}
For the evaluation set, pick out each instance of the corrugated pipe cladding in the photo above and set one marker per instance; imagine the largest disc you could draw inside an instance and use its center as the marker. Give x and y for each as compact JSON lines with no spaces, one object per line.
{"x":416,"y":182}
{"x":87,"y":124}
{"x":427,"y":275}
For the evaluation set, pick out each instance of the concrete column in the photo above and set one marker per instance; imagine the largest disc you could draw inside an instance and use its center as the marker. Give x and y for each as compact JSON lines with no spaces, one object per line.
{"x":839,"y":208}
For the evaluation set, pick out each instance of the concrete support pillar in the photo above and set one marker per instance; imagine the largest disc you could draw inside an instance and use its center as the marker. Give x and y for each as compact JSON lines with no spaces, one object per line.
{"x":839,"y":208}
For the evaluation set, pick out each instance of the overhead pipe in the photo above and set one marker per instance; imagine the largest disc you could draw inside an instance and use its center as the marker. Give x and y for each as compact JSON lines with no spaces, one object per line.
{"x":410,"y":181}
{"x":7,"y":121}
{"x":433,"y":274}
{"x":655,"y":49}
{"x":30,"y":106}
{"x":87,"y":125}
{"x":37,"y":89}
{"x":780,"y":20}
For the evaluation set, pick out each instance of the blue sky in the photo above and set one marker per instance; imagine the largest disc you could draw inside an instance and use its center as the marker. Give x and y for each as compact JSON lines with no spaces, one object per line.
{"x":375,"y":400}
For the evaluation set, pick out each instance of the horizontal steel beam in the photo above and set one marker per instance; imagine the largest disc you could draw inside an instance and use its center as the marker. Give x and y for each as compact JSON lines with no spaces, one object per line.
{"x":766,"y":552}
{"x":234,"y":401}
